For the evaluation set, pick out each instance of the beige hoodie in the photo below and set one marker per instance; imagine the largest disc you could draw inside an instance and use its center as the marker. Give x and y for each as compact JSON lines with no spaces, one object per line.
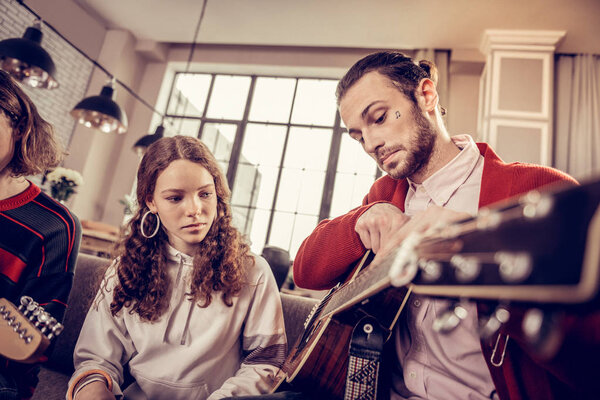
{"x":191,"y":352}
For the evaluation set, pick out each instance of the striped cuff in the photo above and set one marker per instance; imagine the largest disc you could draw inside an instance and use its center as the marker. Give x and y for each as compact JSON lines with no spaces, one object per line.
{"x":86,"y":378}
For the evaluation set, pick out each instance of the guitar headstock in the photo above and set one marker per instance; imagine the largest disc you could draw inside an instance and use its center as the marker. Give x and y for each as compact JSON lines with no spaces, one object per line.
{"x":26,"y":331}
{"x":540,"y":248}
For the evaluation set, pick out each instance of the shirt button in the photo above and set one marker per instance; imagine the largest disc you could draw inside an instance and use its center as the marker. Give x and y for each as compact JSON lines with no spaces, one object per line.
{"x":417,"y":303}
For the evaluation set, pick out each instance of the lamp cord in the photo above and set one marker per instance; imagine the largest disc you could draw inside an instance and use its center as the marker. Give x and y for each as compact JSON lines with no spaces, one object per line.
{"x":98,"y":65}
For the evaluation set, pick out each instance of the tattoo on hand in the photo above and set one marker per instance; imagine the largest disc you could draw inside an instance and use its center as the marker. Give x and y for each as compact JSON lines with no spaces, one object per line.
{"x":397,"y":114}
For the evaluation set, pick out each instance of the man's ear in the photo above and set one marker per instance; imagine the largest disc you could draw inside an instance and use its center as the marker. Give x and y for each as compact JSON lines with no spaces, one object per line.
{"x":427,"y":95}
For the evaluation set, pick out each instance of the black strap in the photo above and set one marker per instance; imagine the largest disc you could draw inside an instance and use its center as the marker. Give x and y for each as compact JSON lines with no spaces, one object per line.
{"x":364,"y":360}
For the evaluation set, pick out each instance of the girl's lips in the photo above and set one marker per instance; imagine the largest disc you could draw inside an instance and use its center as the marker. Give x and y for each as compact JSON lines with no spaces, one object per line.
{"x":194,"y":226}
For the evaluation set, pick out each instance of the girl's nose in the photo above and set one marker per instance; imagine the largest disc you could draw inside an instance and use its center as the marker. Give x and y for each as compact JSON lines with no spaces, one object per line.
{"x":194,"y":207}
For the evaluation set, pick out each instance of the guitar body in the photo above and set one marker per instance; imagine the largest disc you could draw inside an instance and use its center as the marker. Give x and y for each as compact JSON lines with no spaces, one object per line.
{"x":318,"y":362}
{"x":541,"y":250}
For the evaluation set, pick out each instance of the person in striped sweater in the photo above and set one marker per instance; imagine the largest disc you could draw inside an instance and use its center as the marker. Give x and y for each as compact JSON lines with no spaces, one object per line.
{"x":39,"y":237}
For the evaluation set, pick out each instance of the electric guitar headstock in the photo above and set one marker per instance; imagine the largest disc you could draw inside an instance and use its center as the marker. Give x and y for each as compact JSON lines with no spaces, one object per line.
{"x":26,"y":331}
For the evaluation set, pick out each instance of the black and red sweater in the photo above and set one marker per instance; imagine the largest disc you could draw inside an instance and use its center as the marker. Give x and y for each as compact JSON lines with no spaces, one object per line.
{"x":39,"y":242}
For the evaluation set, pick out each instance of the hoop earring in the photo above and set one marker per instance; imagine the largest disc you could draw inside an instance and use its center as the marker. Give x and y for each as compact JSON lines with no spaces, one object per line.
{"x":142,"y":225}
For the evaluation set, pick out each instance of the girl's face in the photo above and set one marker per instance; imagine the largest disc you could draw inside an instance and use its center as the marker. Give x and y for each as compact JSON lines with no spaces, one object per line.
{"x":7,"y":144}
{"x":186,"y":202}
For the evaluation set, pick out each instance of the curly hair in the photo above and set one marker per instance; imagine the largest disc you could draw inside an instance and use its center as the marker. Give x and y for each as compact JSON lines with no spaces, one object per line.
{"x":36,"y":149}
{"x":220,"y":260}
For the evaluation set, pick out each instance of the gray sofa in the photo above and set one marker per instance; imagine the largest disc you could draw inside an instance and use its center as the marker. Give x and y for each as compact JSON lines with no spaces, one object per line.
{"x":88,"y":272}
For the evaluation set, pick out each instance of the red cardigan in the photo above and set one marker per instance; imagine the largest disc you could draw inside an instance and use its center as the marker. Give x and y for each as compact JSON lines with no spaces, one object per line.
{"x":577,"y":365}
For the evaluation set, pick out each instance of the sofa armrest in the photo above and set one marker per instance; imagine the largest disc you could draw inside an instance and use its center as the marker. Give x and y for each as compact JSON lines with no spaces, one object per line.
{"x":295,"y":310}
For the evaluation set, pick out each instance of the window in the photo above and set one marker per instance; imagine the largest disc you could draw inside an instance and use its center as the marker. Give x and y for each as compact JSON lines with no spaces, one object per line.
{"x":279,"y":141}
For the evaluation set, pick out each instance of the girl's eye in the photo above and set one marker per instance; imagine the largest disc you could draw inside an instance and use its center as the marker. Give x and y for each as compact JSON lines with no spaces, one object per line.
{"x":174,"y":199}
{"x":205,"y":194}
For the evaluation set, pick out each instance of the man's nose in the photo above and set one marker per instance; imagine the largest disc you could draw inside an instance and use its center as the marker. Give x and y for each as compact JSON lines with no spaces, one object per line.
{"x":371,"y":141}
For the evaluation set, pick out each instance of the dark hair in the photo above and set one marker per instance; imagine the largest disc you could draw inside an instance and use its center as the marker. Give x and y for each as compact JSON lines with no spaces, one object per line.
{"x":402,"y":71}
{"x":36,"y":149}
{"x":220,"y":259}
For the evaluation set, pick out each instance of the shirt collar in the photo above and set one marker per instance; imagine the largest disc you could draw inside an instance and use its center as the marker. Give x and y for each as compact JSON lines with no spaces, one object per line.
{"x":443,"y":183}
{"x":178,"y":256}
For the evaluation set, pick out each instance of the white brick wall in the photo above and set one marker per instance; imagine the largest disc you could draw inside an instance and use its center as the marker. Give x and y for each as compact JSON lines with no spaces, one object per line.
{"x":73,"y":70}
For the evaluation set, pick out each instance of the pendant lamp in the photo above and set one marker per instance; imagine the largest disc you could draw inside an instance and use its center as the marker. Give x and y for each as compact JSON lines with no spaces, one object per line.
{"x":145,"y":141}
{"x":101,"y":112}
{"x":26,"y":61}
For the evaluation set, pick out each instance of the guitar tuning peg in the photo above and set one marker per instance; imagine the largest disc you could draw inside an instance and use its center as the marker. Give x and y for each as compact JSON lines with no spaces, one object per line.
{"x":489,"y":326}
{"x":431,"y":270}
{"x":536,"y":205}
{"x":466,"y":268}
{"x":450,"y":318}
{"x":540,"y":328}
{"x":25,"y":301}
{"x":513,"y":267}
{"x":56,"y":330}
{"x":16,"y":326}
{"x":42,"y":319}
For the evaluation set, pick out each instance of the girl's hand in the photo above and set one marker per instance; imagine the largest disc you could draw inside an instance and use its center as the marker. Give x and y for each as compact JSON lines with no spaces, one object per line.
{"x":95,"y":390}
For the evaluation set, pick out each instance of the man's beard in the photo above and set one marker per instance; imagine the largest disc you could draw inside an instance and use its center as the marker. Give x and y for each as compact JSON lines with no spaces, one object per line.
{"x":421,"y":148}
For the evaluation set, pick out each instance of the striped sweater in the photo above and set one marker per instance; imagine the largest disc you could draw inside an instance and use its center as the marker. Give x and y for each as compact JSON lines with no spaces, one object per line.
{"x":39,"y":241}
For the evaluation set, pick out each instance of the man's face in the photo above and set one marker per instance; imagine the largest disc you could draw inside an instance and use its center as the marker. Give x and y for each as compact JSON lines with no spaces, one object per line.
{"x":391,"y":128}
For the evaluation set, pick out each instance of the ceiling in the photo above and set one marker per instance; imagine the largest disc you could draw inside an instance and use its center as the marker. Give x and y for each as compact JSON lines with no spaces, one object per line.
{"x":404,"y":24}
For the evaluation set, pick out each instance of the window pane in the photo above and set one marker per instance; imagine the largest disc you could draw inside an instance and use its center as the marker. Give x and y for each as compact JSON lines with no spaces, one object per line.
{"x":184,"y":126}
{"x":300,"y":190}
{"x":315,"y":102}
{"x":263,"y":144}
{"x":308,"y":148}
{"x":272,"y":99}
{"x":348,"y":192}
{"x":259,"y":165}
{"x":354,"y":176}
{"x":282,"y":229}
{"x":253,"y":223}
{"x":353,"y":158}
{"x":219,"y":139}
{"x":189,"y":94}
{"x":289,"y":230}
{"x":303,"y":227}
{"x":229,"y":96}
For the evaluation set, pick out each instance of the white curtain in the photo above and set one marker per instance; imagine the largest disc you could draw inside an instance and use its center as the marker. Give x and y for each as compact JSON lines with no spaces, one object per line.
{"x":577,"y":129}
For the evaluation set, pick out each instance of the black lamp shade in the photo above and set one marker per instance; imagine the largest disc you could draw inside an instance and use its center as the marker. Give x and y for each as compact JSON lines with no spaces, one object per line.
{"x":101,"y":112}
{"x":142,"y":143}
{"x":26,"y":61}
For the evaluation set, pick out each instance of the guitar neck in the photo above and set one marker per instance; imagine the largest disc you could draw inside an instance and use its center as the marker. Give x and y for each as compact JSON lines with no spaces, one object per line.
{"x":541,"y":247}
{"x":367,"y":283}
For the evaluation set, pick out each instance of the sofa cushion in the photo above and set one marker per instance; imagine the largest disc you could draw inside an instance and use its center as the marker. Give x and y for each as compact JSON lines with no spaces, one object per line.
{"x":89,"y":271}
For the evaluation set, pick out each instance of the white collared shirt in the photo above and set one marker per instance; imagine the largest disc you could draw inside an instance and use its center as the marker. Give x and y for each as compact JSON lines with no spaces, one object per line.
{"x":438,"y":366}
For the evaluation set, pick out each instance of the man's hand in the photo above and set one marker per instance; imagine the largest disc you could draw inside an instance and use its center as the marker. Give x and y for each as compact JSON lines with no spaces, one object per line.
{"x":429,"y":219}
{"x":378,"y":224}
{"x":95,"y":390}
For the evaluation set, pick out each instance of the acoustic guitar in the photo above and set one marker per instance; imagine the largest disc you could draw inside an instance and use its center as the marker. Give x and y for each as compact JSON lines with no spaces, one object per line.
{"x":541,"y":251}
{"x":26,"y":331}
